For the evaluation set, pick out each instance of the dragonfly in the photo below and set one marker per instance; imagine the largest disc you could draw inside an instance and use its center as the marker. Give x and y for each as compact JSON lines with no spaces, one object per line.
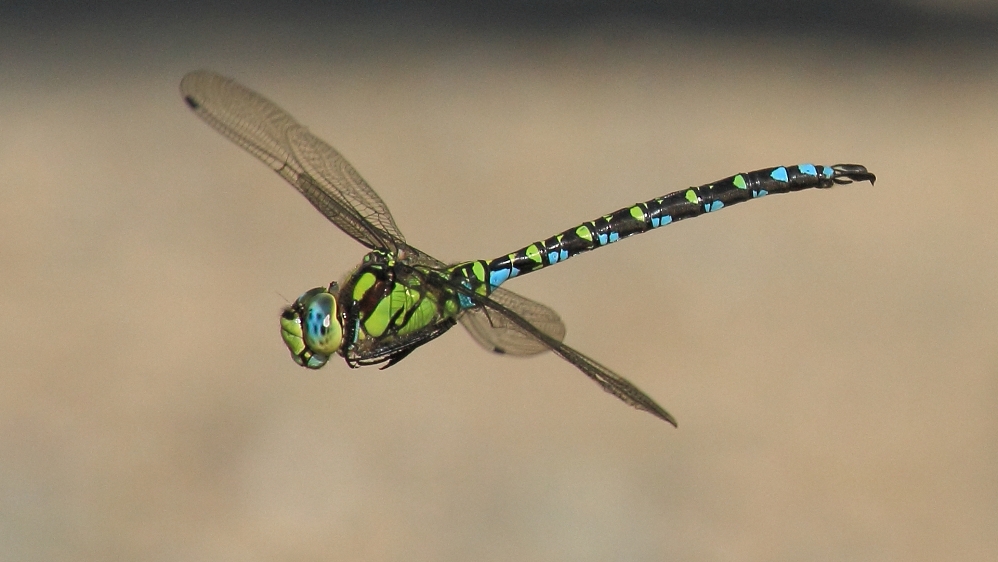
{"x":400,"y":298}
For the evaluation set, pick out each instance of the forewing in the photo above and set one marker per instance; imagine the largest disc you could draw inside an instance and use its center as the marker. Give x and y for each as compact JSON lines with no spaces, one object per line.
{"x":314,"y":168}
{"x":496,"y":332}
{"x":412,"y":256}
{"x":338,"y":180}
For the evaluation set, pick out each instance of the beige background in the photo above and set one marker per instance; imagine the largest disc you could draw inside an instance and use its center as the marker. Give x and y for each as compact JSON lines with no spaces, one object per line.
{"x":830,"y":355}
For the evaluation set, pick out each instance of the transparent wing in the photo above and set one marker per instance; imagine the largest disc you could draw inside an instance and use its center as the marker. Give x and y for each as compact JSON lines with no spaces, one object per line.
{"x":343,"y":184}
{"x":495,"y":332}
{"x":413,"y":256}
{"x":313,"y":167}
{"x":607,"y":379}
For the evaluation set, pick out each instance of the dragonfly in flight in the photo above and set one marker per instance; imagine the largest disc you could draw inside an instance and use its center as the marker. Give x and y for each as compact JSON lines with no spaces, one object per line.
{"x":399,"y":297}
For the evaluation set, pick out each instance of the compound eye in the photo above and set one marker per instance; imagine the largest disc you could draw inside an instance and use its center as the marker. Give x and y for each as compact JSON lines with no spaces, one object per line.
{"x":321,"y":326}
{"x":293,"y":338}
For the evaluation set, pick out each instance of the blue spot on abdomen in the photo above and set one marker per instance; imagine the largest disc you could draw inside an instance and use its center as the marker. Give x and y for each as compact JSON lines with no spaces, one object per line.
{"x":497,"y":278}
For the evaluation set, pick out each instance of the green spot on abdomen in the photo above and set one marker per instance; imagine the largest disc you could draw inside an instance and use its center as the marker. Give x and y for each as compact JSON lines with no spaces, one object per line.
{"x":739,"y":182}
{"x":584,"y":233}
{"x":691,"y":196}
{"x":533,"y":253}
{"x":638,"y":213}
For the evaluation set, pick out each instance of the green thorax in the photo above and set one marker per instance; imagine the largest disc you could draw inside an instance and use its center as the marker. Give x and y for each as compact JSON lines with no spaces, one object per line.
{"x":383,"y":299}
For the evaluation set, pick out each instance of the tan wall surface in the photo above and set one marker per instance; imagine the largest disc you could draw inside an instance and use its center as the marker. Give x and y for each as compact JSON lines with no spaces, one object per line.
{"x":831,"y":356}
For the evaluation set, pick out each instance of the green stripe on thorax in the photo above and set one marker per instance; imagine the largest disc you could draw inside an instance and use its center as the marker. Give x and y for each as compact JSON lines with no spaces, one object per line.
{"x":385,"y":302}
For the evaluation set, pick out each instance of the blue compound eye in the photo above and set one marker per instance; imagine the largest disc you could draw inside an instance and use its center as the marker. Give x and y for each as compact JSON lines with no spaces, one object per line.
{"x":294,"y":339}
{"x":320,"y":325}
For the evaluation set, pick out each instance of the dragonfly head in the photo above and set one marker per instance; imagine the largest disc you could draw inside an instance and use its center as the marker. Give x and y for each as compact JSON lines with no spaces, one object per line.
{"x":311,"y":327}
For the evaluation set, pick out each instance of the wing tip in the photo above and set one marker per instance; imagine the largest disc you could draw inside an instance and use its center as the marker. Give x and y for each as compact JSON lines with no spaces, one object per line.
{"x":668,"y":417}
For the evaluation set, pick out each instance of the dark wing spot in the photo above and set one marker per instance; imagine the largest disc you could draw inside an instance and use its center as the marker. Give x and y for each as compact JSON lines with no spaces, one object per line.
{"x":191,"y":102}
{"x":499,"y":350}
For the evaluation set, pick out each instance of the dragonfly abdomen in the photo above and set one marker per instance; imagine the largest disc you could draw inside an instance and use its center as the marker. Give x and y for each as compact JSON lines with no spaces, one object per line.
{"x":668,"y":209}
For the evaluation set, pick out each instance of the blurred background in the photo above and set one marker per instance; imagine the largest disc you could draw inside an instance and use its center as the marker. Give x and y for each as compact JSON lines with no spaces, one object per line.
{"x":830,"y":355}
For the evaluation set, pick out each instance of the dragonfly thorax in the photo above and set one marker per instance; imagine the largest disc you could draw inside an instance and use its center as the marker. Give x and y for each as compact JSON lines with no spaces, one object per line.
{"x":381,"y":309}
{"x":384,"y":299}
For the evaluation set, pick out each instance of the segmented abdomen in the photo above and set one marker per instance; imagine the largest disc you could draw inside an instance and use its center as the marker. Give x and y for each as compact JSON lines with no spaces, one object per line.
{"x":661,"y":211}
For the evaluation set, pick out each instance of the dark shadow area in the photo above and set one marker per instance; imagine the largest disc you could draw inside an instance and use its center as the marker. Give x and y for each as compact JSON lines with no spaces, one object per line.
{"x":875,"y":21}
